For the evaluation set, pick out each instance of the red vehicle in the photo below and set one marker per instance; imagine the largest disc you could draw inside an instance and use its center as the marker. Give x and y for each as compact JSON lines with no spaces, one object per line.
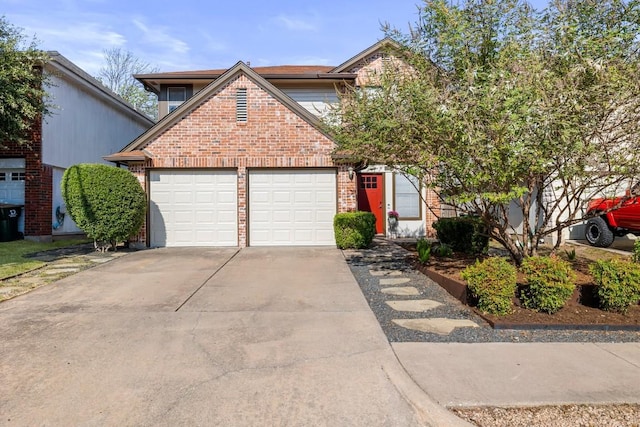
{"x":602,"y":229}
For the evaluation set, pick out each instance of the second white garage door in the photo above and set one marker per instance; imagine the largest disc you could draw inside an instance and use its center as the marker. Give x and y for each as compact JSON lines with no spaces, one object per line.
{"x":193,"y":208}
{"x":291,"y":207}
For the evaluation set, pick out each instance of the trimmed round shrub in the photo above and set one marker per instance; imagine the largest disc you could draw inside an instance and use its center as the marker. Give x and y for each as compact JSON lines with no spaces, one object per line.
{"x":618,"y":284}
{"x":106,"y":202}
{"x":354,"y":230}
{"x":493,"y":283}
{"x":551,"y":282}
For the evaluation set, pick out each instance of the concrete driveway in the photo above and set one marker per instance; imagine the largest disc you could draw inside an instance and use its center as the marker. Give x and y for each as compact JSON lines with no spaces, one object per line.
{"x":259,"y":336}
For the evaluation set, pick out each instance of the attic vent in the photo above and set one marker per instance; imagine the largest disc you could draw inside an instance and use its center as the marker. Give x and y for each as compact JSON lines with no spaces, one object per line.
{"x":241,"y":105}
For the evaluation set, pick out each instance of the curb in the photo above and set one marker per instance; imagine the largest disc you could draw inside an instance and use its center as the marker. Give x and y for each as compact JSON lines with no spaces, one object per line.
{"x":429,"y":411}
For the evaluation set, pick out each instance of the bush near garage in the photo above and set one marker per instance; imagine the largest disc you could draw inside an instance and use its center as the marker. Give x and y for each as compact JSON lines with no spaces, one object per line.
{"x":106,"y":202}
{"x":465,"y":234}
{"x":618,"y":284}
{"x":551,"y":282}
{"x":354,"y":230}
{"x":493,"y":283}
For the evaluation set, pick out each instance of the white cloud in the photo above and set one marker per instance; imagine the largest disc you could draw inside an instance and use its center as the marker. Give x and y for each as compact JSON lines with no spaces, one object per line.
{"x":160,"y":37}
{"x":86,"y":34}
{"x":295,"y":23}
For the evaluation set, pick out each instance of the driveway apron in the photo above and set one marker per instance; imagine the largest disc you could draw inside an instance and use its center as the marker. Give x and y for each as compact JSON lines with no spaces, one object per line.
{"x":258,"y":336}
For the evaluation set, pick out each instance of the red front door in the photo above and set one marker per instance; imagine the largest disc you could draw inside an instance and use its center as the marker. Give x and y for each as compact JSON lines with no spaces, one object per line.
{"x":370,"y":197}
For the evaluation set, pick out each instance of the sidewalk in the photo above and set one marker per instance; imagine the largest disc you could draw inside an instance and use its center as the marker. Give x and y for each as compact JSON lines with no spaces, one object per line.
{"x":526,"y":374}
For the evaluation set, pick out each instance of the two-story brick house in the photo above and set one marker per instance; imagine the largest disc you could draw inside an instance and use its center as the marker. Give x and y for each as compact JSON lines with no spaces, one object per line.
{"x":87,"y":122}
{"x":240,"y":158}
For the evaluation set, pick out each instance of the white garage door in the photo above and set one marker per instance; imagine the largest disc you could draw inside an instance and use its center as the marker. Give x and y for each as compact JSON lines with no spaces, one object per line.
{"x":12,"y":178}
{"x":291,"y":207}
{"x":193,"y":208}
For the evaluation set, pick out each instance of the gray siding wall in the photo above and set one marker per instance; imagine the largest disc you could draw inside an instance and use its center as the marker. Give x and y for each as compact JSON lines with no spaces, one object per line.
{"x":84,"y":127}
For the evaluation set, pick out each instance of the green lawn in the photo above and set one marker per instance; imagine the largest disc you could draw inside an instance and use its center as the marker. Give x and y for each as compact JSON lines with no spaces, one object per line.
{"x":12,"y":260}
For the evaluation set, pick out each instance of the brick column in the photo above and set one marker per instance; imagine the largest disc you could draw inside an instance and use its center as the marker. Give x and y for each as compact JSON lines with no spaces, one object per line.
{"x":242,"y":206}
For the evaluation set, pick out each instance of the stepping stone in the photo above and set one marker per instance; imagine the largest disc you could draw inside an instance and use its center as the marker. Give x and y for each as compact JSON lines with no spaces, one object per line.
{"x":385,"y":272}
{"x":440,"y":326}
{"x":401,"y":291}
{"x":417,"y":305}
{"x":70,"y":265}
{"x":99,"y":260}
{"x":394,"y":281}
{"x":29,"y":280}
{"x":60,"y":270}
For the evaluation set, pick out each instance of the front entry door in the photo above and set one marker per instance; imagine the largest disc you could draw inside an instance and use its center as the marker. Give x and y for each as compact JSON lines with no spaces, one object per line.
{"x":370,"y":197}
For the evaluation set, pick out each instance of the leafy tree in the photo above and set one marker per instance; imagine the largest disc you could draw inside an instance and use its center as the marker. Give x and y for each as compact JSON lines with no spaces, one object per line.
{"x":117,"y":75}
{"x":108,"y":203}
{"x":501,"y":109}
{"x":23,"y":97}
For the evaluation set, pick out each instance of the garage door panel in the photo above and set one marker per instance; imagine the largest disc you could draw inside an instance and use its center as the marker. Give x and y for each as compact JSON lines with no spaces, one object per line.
{"x":281,"y":216}
{"x":281,"y":197}
{"x":325,"y":197}
{"x":193,"y":208}
{"x":304,"y":179}
{"x":303,"y":196}
{"x":292,"y":207}
{"x":304,"y":217}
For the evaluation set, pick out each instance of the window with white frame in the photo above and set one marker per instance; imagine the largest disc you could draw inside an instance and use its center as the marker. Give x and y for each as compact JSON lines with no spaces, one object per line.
{"x":406,"y":196}
{"x":175,"y":97}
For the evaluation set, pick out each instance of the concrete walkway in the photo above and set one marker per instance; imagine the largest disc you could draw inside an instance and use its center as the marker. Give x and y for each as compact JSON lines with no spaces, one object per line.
{"x":273,"y":336}
{"x":524,"y":374}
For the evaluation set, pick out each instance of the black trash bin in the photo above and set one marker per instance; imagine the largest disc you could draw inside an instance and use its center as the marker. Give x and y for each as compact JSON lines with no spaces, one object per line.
{"x":9,"y":216}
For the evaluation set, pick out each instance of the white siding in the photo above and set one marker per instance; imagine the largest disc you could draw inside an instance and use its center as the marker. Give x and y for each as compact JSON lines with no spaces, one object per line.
{"x":63,"y":225}
{"x":83,"y":127}
{"x":316,"y":101}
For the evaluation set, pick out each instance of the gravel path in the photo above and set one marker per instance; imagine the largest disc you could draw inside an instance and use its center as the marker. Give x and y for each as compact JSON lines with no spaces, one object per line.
{"x":385,"y":255}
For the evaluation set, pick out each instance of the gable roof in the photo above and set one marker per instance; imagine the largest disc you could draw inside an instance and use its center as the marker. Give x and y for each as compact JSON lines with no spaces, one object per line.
{"x":278,"y":70}
{"x":383,"y":44}
{"x":317,"y":73}
{"x":177,"y":115}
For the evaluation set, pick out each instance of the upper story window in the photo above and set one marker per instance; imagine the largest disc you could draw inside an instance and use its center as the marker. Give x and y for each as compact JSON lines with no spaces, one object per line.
{"x":175,"y":97}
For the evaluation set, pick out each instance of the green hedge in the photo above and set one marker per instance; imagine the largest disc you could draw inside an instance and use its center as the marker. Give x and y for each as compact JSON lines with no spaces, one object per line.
{"x":551,"y":282}
{"x":618,"y":284}
{"x":106,"y":202}
{"x":463,"y":234}
{"x":354,"y":230}
{"x":493,"y":282}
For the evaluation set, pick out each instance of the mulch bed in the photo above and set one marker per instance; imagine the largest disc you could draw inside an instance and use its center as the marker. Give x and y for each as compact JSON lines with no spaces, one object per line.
{"x":581,"y":312}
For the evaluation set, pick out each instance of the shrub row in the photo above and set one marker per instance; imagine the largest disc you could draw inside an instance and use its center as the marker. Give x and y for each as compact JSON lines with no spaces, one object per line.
{"x":551,"y":282}
{"x":463,"y":234}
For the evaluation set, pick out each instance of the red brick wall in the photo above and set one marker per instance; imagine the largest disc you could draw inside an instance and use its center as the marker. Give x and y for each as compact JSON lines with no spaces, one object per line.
{"x":38,"y":184}
{"x":272,"y":137}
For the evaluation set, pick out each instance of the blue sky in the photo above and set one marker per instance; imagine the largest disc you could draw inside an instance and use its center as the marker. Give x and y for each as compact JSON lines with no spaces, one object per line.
{"x":191,"y":35}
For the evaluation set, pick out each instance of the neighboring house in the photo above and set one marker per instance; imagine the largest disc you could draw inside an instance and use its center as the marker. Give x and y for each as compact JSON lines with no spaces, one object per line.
{"x":88,"y":121}
{"x":240,"y":158}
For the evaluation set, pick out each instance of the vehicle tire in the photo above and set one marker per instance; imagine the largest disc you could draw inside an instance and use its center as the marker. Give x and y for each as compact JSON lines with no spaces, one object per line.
{"x":598,"y":233}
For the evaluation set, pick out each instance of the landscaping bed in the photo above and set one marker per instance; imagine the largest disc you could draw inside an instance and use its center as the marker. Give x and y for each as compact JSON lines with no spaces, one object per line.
{"x":581,"y":311}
